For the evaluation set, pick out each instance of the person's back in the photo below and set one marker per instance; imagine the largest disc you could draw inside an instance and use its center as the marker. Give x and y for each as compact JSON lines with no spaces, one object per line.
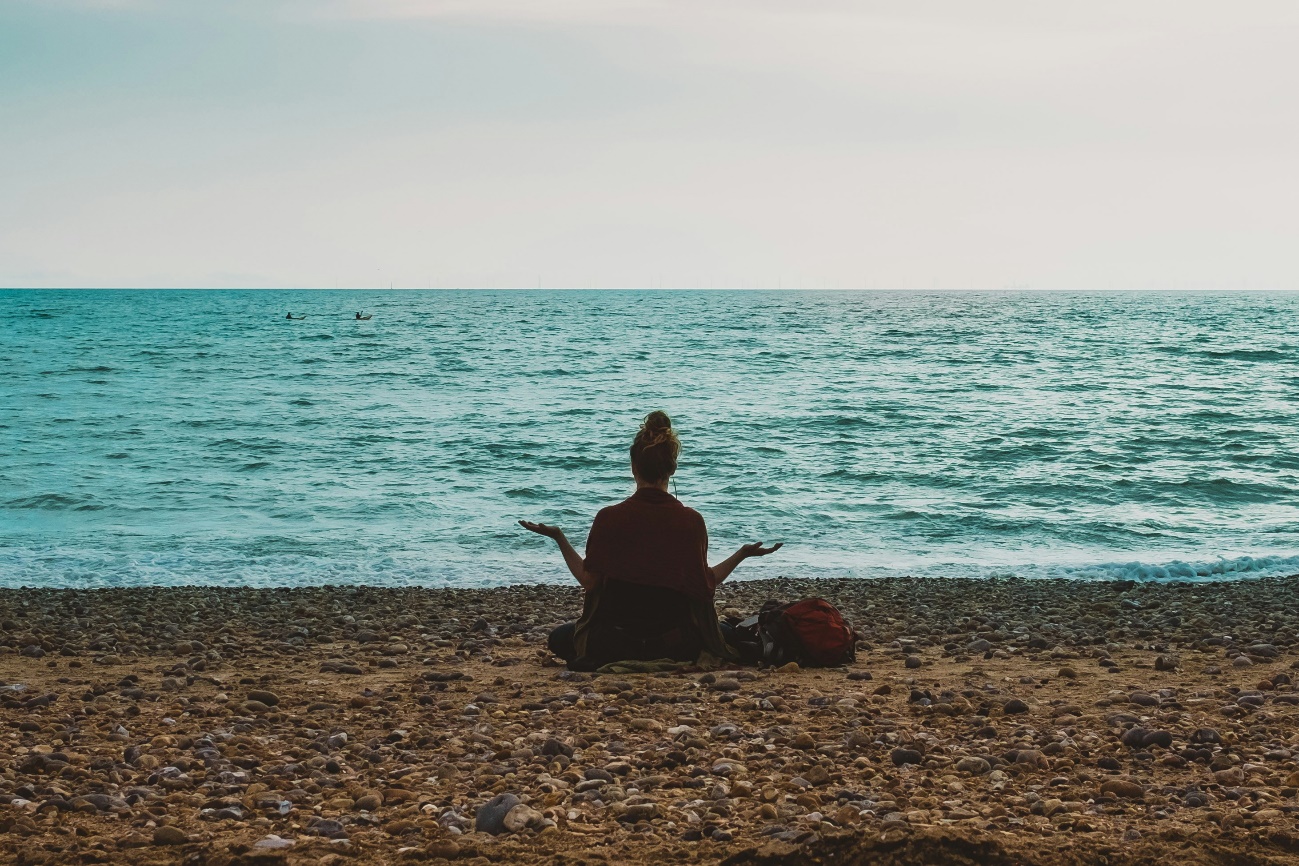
{"x":652,"y":539}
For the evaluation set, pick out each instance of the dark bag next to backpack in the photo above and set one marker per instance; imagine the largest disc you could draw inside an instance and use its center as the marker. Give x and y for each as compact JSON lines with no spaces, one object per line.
{"x":811,"y":632}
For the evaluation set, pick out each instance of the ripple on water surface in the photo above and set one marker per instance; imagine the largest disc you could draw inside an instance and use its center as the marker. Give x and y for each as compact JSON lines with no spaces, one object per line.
{"x":979,"y":434}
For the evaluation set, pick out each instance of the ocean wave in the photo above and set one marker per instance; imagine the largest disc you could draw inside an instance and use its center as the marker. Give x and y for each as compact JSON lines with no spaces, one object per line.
{"x":56,"y":502}
{"x":1245,"y":354}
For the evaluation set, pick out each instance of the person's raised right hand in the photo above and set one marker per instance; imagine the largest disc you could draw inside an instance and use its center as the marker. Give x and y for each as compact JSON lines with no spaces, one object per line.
{"x":553,"y":532}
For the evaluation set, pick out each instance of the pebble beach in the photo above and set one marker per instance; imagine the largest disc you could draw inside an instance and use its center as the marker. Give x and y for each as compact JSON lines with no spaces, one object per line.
{"x":984,"y":721}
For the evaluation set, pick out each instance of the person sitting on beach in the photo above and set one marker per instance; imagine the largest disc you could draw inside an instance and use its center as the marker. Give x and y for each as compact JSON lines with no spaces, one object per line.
{"x":648,"y":586}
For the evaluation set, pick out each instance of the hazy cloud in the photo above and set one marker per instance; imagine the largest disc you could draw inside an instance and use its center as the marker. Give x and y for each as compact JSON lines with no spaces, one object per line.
{"x":631,"y":143}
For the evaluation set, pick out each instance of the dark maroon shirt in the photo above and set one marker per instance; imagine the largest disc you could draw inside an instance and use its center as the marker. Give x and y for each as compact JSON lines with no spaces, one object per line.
{"x":651,"y":539}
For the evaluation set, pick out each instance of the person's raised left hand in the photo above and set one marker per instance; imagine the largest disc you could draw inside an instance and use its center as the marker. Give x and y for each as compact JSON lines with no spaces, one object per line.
{"x":553,"y":532}
{"x":756,"y":549}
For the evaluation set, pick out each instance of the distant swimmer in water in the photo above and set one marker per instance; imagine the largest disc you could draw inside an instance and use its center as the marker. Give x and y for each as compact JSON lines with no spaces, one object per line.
{"x":361,"y":318}
{"x":295,"y":318}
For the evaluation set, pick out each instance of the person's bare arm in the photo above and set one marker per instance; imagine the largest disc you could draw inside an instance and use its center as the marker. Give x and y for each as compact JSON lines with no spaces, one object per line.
{"x":723,"y":569}
{"x":571,"y":557}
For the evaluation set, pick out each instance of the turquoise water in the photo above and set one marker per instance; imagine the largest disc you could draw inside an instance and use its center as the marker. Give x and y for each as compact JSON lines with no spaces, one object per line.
{"x":163,"y":437}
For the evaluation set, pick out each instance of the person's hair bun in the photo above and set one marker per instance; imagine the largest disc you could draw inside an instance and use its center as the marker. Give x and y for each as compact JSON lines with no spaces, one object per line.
{"x":656,"y":422}
{"x":655,"y":448}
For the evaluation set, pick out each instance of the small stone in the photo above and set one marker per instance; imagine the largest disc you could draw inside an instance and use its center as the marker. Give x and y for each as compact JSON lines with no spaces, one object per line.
{"x":803,"y":742}
{"x":788,"y":668}
{"x":817,"y":775}
{"x":1015,"y":706}
{"x":1162,"y":739}
{"x":973,"y":765}
{"x":1067,"y":673}
{"x":1241,"y":662}
{"x":169,"y":835}
{"x":326,"y":827}
{"x":273,"y":843}
{"x":1165,"y":663}
{"x":1123,"y":789}
{"x":520,"y":817}
{"x":93,"y":803}
{"x":846,"y":815}
{"x":554,"y":747}
{"x":270,"y":699}
{"x":1134,"y":738}
{"x":1032,"y":757}
{"x":641,"y":812}
{"x":978,"y":646}
{"x":442,"y":848}
{"x":368,"y":803}
{"x":912,"y":662}
{"x":1230,"y":778}
{"x":490,"y":817}
{"x":901,"y":757}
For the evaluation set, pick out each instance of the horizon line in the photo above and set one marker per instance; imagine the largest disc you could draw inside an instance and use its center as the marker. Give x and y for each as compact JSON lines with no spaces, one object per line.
{"x":620,"y":289}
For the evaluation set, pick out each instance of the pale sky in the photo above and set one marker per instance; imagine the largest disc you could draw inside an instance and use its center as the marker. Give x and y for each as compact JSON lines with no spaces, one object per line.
{"x":820,"y":143}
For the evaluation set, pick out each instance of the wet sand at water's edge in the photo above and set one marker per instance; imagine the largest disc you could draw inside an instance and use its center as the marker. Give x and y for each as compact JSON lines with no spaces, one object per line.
{"x":997,"y":722}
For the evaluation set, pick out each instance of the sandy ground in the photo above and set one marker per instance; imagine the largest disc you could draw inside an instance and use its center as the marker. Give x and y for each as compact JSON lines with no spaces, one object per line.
{"x":983,"y":722}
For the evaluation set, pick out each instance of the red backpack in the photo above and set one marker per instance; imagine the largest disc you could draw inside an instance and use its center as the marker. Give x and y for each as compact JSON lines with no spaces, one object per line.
{"x":811,"y":632}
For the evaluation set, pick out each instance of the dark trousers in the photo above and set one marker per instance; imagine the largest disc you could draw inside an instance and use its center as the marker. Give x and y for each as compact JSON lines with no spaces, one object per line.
{"x":561,"y":640}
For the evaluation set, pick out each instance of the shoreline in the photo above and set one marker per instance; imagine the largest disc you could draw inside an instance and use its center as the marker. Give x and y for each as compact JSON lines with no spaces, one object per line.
{"x":1172,"y":572}
{"x":985,"y":720}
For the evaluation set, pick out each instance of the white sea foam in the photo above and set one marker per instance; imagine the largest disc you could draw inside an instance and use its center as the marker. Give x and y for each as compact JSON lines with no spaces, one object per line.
{"x":73,"y":568}
{"x":1177,"y":570}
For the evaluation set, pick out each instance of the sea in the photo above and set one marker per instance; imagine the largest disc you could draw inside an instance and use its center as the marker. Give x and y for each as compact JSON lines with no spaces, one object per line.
{"x":158,"y":437}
